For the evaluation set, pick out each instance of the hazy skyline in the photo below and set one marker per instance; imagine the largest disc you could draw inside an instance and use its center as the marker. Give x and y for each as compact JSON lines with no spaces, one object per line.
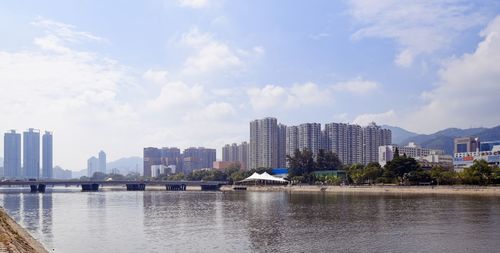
{"x":120,"y":77}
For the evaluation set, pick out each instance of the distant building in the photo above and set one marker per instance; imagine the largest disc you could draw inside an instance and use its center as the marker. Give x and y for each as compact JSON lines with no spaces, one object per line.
{"x":152,"y":156}
{"x":374,"y":137}
{"x":433,"y":160}
{"x":158,"y":170}
{"x":47,"y":155}
{"x":236,"y":153}
{"x":267,"y":144}
{"x":386,"y":153}
{"x":102,"y":162}
{"x":191,"y":159}
{"x":470,"y":149}
{"x":466,"y":144}
{"x":291,"y":139}
{"x":12,"y":154}
{"x":92,"y":166}
{"x":222,"y":165}
{"x":309,"y":136}
{"x":31,"y":153}
{"x":171,"y":157}
{"x":198,"y":158}
{"x":345,"y":140}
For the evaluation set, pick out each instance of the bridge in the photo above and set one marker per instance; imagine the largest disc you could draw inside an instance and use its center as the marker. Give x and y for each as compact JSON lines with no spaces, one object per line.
{"x":131,"y":185}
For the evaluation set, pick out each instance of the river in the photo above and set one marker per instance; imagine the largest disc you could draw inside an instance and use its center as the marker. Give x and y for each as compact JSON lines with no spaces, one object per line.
{"x":160,"y":221}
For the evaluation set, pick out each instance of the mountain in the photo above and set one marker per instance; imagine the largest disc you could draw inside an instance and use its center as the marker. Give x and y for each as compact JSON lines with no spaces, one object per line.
{"x":126,"y":165}
{"x":399,"y":134}
{"x":444,"y":139}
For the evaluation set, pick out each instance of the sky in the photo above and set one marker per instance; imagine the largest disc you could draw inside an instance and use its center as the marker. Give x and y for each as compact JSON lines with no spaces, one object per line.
{"x":120,"y":76}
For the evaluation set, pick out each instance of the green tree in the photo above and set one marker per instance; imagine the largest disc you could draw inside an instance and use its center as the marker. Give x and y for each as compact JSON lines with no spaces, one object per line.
{"x":398,"y":167}
{"x":356,"y":173}
{"x":327,"y":161}
{"x":479,"y":173}
{"x":441,"y":175}
{"x":372,"y":172}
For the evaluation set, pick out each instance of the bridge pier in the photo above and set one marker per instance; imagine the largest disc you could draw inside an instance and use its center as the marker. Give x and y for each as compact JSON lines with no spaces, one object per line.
{"x":136,"y":187}
{"x":90,"y":187}
{"x":175,"y":187}
{"x":37,"y":188}
{"x":210,"y":187}
{"x":41,"y":188}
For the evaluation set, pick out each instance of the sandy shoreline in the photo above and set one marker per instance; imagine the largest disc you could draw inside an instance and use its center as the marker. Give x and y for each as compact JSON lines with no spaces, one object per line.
{"x":14,"y":238}
{"x":468,"y":190}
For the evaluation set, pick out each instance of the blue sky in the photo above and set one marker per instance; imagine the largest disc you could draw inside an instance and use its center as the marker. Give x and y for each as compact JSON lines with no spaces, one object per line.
{"x":121,"y":76}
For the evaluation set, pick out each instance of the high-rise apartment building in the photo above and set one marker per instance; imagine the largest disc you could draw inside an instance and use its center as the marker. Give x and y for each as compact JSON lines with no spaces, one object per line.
{"x":12,"y":154}
{"x":47,"y":156}
{"x":345,"y":140}
{"x":171,"y":157}
{"x":31,"y":153}
{"x":292,"y":139}
{"x":281,"y":146}
{"x":198,"y":158}
{"x":310,"y":137}
{"x":230,"y":152}
{"x":267,"y":143}
{"x":236,"y":153}
{"x":92,"y":166}
{"x":151,"y":156}
{"x":102,"y":162}
{"x":374,"y":137}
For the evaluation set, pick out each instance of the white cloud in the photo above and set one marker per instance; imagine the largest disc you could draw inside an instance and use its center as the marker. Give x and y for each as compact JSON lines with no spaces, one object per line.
{"x":210,"y":55}
{"x":357,"y":86}
{"x":468,"y":89}
{"x":175,"y":95}
{"x":156,"y":76}
{"x":387,"y":117}
{"x":418,"y":27}
{"x":76,"y":94}
{"x":272,"y":96}
{"x":194,"y":3}
{"x":213,"y":111}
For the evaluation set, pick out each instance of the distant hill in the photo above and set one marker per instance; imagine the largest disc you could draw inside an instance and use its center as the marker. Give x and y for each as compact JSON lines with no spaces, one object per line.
{"x":399,"y":134}
{"x":444,"y":139}
{"x":126,"y":165}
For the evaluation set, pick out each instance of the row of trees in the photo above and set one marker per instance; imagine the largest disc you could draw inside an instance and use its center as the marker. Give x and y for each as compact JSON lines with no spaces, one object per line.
{"x":406,"y":171}
{"x":302,"y":164}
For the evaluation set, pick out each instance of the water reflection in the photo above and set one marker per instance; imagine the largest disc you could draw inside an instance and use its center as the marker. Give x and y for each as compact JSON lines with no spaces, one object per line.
{"x":158,"y":221}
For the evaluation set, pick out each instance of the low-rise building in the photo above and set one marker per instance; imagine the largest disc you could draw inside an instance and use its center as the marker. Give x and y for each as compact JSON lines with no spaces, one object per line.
{"x":386,"y":153}
{"x":222,"y":165}
{"x":470,"y":149}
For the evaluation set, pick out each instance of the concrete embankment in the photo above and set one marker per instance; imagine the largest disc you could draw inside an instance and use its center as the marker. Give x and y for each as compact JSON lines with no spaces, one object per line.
{"x":14,"y":238}
{"x":469,"y":190}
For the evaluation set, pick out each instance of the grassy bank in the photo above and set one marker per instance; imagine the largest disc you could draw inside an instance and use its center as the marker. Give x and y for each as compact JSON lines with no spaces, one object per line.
{"x":13,"y":238}
{"x":470,"y":190}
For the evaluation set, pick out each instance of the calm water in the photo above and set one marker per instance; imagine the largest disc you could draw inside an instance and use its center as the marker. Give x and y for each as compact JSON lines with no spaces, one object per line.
{"x":159,"y":221}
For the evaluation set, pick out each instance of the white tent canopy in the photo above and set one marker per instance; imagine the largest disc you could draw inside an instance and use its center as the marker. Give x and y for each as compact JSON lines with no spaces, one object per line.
{"x":263,"y":177}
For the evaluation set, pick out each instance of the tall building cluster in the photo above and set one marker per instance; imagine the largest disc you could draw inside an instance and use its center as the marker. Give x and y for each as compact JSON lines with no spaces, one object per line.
{"x":236,"y":153}
{"x":271,"y":142}
{"x":187,"y":161}
{"x":96,"y":164}
{"x":30,"y":166}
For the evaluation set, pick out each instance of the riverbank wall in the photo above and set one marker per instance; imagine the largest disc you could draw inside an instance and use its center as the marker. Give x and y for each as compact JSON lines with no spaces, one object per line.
{"x":469,"y":190}
{"x":14,"y":238}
